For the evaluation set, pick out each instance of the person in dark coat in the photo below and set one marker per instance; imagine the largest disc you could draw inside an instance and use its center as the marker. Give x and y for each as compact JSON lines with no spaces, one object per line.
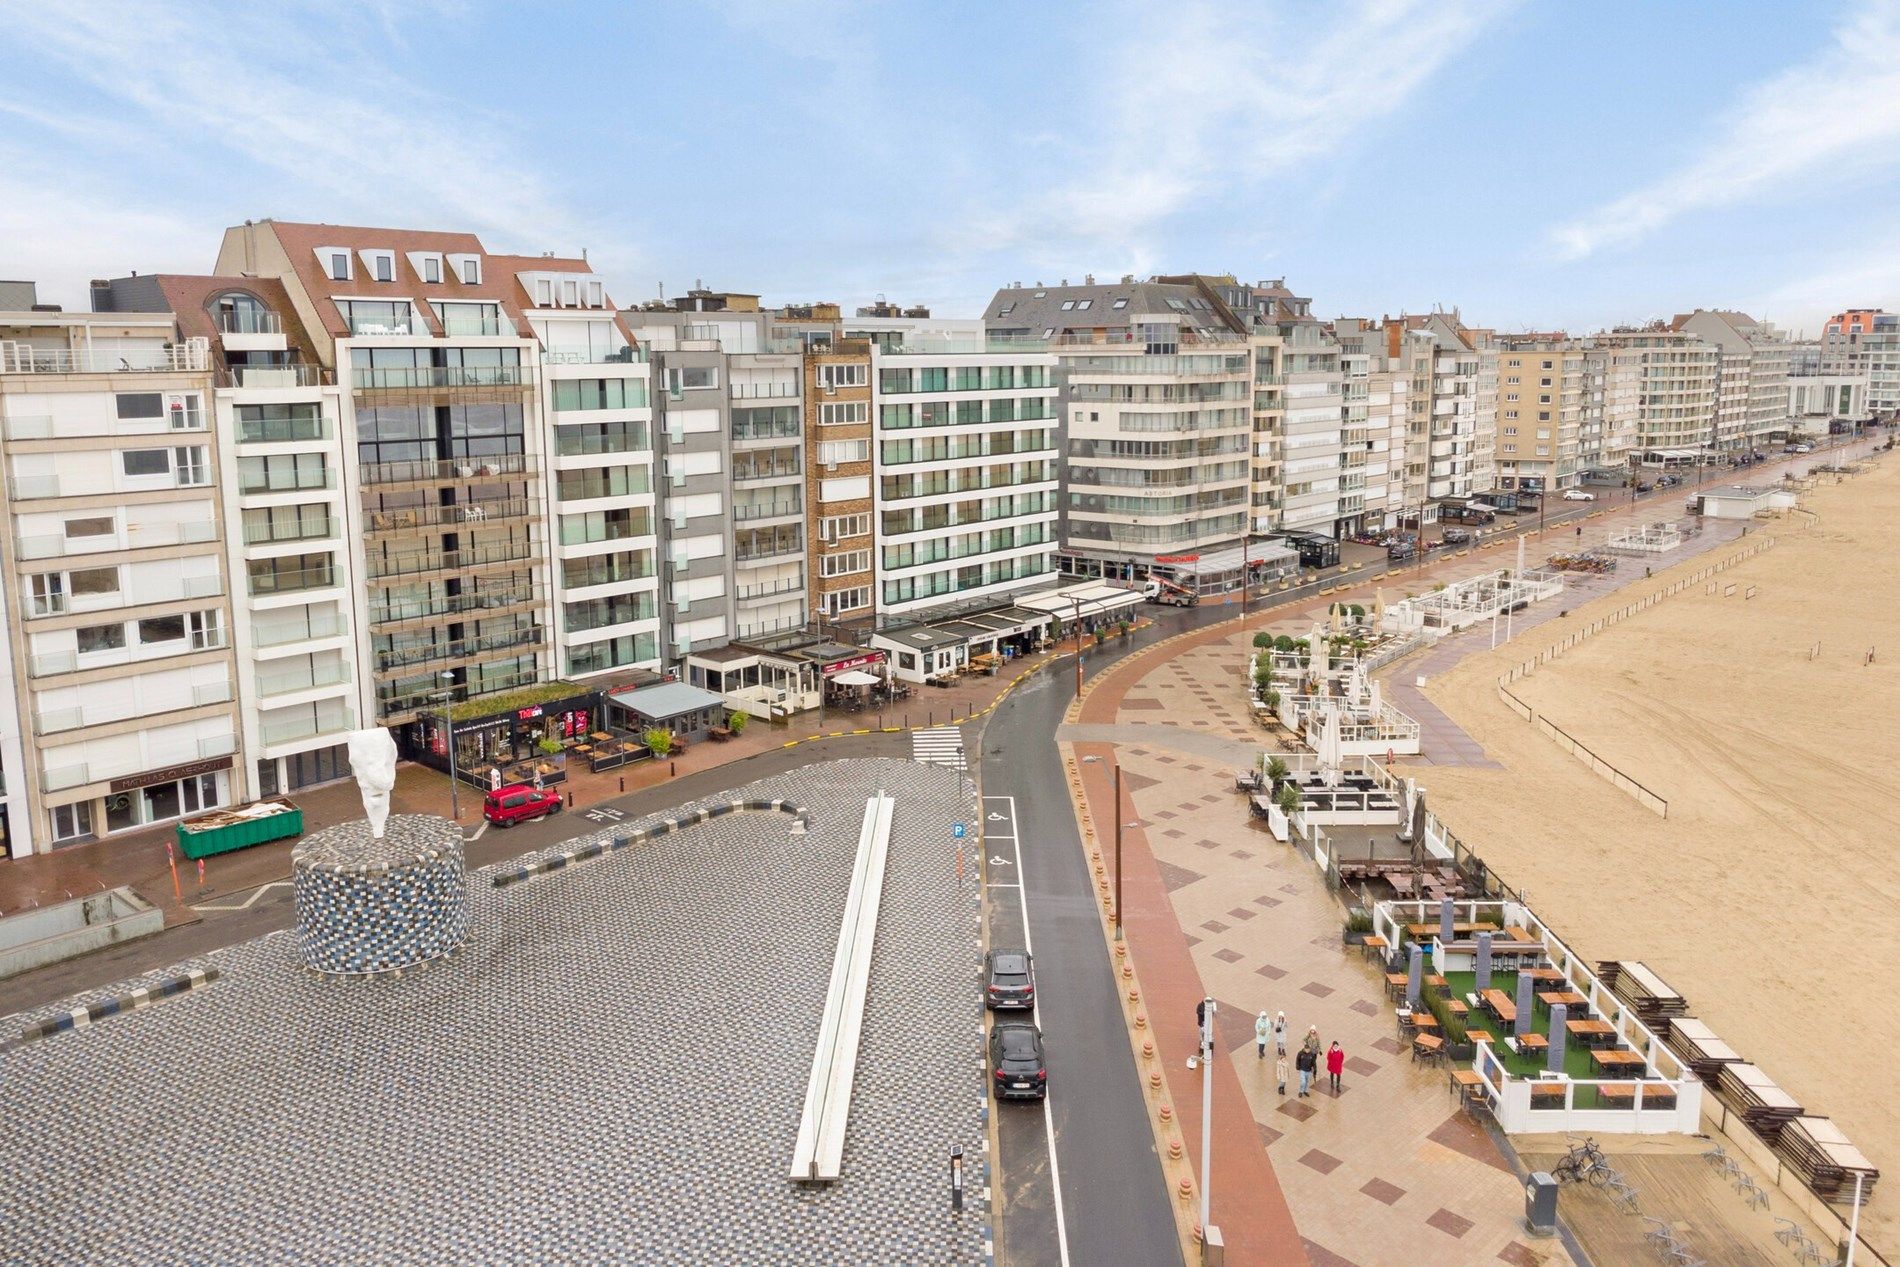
{"x":1306,"y":1062}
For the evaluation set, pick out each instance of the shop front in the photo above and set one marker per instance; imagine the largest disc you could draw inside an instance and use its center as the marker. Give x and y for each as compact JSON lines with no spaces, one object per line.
{"x":687,"y":712}
{"x":513,"y":745}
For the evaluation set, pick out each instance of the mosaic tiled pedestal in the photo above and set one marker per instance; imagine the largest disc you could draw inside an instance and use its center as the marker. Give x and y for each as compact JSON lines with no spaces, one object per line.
{"x":373,"y":906}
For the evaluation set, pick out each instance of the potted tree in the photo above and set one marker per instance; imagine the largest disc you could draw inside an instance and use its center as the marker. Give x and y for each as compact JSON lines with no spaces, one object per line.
{"x":1126,"y":626}
{"x":1358,"y":926}
{"x":659,"y":741}
{"x":1276,"y":772}
{"x":1288,"y":799}
{"x":737,"y":720}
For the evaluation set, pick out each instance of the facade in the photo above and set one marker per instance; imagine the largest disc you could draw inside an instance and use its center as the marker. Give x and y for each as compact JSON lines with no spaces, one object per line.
{"x":123,"y":708}
{"x":1158,"y":397}
{"x":1752,"y":394}
{"x":1660,"y":392}
{"x":965,"y":458}
{"x":841,"y":551}
{"x":1880,"y":353}
{"x":1543,"y":386}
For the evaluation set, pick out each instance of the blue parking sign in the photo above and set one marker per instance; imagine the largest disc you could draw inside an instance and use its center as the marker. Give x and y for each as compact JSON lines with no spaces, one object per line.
{"x":957,"y":830}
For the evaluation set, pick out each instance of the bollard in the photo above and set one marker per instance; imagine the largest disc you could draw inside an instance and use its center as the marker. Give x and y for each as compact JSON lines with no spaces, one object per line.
{"x":623,"y":783}
{"x":673,"y":770}
{"x":570,"y":798}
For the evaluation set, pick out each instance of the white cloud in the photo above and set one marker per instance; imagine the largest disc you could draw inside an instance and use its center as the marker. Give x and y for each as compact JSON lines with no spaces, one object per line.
{"x":1867,"y":275}
{"x":1205,"y":100}
{"x":1832,"y":116}
{"x":336,"y":132}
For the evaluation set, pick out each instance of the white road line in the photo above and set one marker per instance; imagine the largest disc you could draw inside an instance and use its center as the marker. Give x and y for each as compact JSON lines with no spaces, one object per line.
{"x":245,"y":905}
{"x":1048,"y":1118}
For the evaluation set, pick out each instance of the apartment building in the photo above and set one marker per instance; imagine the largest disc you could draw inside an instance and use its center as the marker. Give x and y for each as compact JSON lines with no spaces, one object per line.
{"x":840,"y":525}
{"x":1751,"y":401}
{"x":1660,"y":392}
{"x":1880,"y":353}
{"x":1159,"y":427}
{"x":1821,"y":392}
{"x":1543,"y":392}
{"x":123,"y":706}
{"x":966,"y":457}
{"x":1450,"y":409}
{"x":1376,"y":390}
{"x":734,"y":453}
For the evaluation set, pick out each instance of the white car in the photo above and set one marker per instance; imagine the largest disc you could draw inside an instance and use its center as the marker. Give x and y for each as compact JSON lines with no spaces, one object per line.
{"x":1578,"y":495}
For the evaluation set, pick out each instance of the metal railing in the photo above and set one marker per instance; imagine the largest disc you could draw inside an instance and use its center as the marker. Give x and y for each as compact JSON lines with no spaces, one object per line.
{"x":743,"y":511}
{"x":520,"y":551}
{"x":277,"y":479}
{"x":391,"y":612}
{"x":303,"y":678}
{"x":768,"y":589}
{"x":291,"y":580}
{"x":262,"y":377}
{"x":436,"y":376}
{"x":764,"y":391}
{"x":249,"y":321}
{"x":327,"y":624}
{"x":83,"y":772}
{"x":54,"y":721}
{"x":17,"y":357}
{"x":134,"y":537}
{"x":266,"y":533}
{"x":459,"y":649}
{"x":282,"y":429}
{"x":494,"y":466}
{"x":503,"y":511}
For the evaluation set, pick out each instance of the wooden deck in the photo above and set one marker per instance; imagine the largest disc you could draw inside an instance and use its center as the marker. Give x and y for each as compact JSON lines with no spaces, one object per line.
{"x":1673,"y":1182}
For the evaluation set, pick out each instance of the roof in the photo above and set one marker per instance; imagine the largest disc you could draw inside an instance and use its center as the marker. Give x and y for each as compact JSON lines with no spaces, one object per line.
{"x":668,"y":699}
{"x":190,"y":297}
{"x":920,"y":637}
{"x":1039,"y":308}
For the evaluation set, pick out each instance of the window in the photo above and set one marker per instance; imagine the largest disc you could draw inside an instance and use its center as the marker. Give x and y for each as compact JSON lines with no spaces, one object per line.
{"x":840,"y":601}
{"x":844,"y":564}
{"x":100,"y":527}
{"x":1510,"y":396}
{"x":161,"y":629}
{"x":100,"y":638}
{"x":432,"y":268}
{"x":339,"y":266}
{"x":146,"y":461}
{"x":544,"y":292}
{"x":1543,"y":415}
{"x":1005,"y":310}
{"x":190,"y":464}
{"x":47,"y":591}
{"x":1510,"y":431}
{"x":844,"y":413}
{"x":691,"y":378}
{"x":383,"y":266}
{"x":599,"y":393}
{"x":1514,"y":363}
{"x":833,"y":451}
{"x":471,"y":271}
{"x":71,"y":822}
{"x":856,"y":374}
{"x":1119,"y":304}
{"x":1048,"y":332}
{"x":1068,"y":305}
{"x":93,"y":581}
{"x":1546,"y":366}
{"x":207,"y":629}
{"x":838,"y":527}
{"x":1084,"y":304}
{"x":141,"y":405}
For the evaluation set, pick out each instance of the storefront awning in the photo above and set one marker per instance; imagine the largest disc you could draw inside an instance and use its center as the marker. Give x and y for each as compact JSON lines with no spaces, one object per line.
{"x":665,"y":701}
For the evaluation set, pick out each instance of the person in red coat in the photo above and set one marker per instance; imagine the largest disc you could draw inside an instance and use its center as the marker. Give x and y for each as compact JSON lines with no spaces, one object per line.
{"x":1335,"y":1064}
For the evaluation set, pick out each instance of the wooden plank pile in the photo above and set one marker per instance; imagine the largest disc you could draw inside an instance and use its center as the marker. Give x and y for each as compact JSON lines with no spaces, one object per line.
{"x":1755,"y":1097}
{"x":1696,"y":1045}
{"x":243,"y":814}
{"x":1654,"y":1003}
{"x":1818,"y":1152}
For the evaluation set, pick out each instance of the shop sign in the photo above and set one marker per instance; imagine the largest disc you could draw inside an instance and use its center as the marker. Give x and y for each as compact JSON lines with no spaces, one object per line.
{"x":856,"y":662}
{"x":528,"y":714}
{"x":1177,"y":558}
{"x":171,"y":774}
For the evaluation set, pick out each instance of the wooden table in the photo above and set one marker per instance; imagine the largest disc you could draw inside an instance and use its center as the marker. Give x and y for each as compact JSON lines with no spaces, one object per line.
{"x":601,"y":736}
{"x":1499,"y":1005}
{"x":1424,"y":1020}
{"x":1541,"y":974}
{"x":1569,"y":998}
{"x":1547,"y":1089}
{"x":1533,"y":1042}
{"x":1457,"y":1008}
{"x":1613,"y":1059}
{"x":1466,"y":1085}
{"x":1517,"y":932}
{"x":1622,"y":1095}
{"x":1591,"y":1031}
{"x":1435,"y":981}
{"x":1396,"y":984}
{"x":1427,"y":1047}
{"x":1372,"y":945}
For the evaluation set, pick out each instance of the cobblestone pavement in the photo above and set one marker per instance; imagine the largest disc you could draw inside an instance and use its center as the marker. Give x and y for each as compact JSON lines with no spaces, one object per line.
{"x":611,"y":1071}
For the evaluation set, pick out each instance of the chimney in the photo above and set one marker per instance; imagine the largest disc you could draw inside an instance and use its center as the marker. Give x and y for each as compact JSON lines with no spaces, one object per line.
{"x":1088,"y":279}
{"x":1065,"y":281}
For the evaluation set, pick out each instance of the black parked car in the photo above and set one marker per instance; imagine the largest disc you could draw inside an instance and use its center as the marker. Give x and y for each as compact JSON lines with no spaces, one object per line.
{"x":1009,"y":979}
{"x":1017,"y":1070}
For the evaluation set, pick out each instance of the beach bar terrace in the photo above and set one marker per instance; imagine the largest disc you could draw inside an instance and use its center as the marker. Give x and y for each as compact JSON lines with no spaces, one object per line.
{"x":1537,"y":1036}
{"x":1463,"y":604}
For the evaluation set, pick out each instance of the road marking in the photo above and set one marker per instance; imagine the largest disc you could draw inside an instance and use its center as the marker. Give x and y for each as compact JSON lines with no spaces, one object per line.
{"x":938,"y":745}
{"x":245,"y":905}
{"x":1035,"y":1011}
{"x":605,"y":814}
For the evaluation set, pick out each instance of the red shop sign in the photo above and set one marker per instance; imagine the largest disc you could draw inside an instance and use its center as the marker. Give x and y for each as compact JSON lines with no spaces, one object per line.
{"x":856,"y":662}
{"x":1177,"y":558}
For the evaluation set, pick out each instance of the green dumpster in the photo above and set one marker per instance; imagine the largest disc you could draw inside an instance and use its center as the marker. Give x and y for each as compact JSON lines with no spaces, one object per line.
{"x":224,"y":830}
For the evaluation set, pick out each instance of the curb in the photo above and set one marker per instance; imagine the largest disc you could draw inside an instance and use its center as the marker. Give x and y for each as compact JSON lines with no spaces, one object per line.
{"x":113,"y":1005}
{"x":547,"y":864}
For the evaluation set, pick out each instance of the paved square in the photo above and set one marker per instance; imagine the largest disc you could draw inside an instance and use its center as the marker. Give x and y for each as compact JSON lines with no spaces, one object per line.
{"x":610,"y":1072}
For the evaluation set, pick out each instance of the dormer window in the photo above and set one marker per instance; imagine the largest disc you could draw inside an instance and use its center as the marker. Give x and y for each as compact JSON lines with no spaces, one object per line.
{"x":381,"y":265}
{"x":467,"y":269}
{"x":432,"y":269}
{"x":336,"y":263}
{"x":544,"y":293}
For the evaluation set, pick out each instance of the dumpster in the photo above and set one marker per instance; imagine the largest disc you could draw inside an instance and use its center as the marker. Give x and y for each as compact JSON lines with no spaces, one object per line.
{"x":223,"y":830}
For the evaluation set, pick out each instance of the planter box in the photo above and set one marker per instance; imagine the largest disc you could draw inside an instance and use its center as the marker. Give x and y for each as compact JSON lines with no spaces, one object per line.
{"x":238,"y":833}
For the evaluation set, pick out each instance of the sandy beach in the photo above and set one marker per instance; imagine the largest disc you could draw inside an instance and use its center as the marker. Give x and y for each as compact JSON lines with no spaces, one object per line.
{"x":1769,"y":897}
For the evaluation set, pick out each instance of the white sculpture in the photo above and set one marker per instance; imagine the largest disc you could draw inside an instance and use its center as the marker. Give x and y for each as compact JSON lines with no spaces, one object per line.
{"x":373,"y":762}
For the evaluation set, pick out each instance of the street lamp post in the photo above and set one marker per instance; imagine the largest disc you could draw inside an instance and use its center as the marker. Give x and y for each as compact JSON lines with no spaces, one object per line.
{"x":1076,"y":604}
{"x":1207,"y":1106}
{"x":448,"y":742}
{"x":1118,"y":851}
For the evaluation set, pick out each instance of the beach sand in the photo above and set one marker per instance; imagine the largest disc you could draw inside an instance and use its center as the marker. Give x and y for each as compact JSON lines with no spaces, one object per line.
{"x":1770,"y":896}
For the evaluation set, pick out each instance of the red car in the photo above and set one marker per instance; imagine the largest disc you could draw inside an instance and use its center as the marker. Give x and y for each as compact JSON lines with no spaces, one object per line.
{"x":518,"y":803}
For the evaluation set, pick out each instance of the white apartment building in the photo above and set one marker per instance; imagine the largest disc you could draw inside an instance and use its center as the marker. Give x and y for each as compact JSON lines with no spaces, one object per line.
{"x":1752,"y":393}
{"x":123,"y":709}
{"x":1446,"y":379}
{"x":1880,"y":351}
{"x":1159,"y":381}
{"x":966,"y":456}
{"x":1659,"y":392}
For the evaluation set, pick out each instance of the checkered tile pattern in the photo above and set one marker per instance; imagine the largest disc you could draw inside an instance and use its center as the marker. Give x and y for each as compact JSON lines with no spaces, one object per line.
{"x":611,"y":1071}
{"x":369,"y":906}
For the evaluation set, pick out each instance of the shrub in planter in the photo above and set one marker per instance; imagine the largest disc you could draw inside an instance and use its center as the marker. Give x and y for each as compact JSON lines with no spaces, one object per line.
{"x":737,"y":721}
{"x":1358,"y":611}
{"x":1453,"y":1029}
{"x":1288,"y":799}
{"x":1262,"y":677}
{"x":659,"y":742}
{"x":548,"y":746}
{"x":1263,"y":640}
{"x":1276,"y":771}
{"x":1271,"y":699}
{"x":1126,"y":627}
{"x":1101,"y":636}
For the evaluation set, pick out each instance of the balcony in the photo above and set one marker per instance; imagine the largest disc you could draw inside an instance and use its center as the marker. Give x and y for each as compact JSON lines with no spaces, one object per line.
{"x":191,"y":356}
{"x":498,"y":466}
{"x":451,"y":608}
{"x":764,"y":391}
{"x":134,"y":537}
{"x":58,"y":720}
{"x":273,"y":377}
{"x":285,"y":479}
{"x":769,"y":589}
{"x":388,"y":662}
{"x":249,"y":321}
{"x":318,"y":624}
{"x":276,"y":730}
{"x":276,"y":533}
{"x":634,"y":354}
{"x":82,"y":773}
{"x":429,"y":377}
{"x":292,"y":580}
{"x":759,"y":553}
{"x":759,"y":471}
{"x":393,"y":705}
{"x":421,"y":561}
{"x":436,"y":517}
{"x":283,"y":429}
{"x":742,"y":511}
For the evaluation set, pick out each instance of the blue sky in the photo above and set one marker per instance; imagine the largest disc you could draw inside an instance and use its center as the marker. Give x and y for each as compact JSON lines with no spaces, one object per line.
{"x":1537,"y":165}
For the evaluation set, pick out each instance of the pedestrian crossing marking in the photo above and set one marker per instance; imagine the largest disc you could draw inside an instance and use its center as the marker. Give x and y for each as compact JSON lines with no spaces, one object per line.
{"x":938,"y":745}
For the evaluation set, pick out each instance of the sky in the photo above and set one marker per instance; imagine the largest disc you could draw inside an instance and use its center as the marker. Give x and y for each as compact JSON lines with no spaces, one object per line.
{"x":1534,"y":165}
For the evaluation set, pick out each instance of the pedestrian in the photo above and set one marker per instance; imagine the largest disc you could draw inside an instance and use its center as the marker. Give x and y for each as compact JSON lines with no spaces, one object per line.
{"x":1579,"y":532}
{"x":1312,"y":1043}
{"x":1307,"y":1061}
{"x":1261,"y":1028}
{"x":1335,"y":1064}
{"x":1279,"y":1033}
{"x":1279,"y":1070}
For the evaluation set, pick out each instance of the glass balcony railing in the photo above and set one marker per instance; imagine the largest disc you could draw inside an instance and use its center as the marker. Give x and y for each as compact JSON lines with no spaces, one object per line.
{"x":432,"y":471}
{"x":249,"y":321}
{"x":282,"y":428}
{"x":436,"y":376}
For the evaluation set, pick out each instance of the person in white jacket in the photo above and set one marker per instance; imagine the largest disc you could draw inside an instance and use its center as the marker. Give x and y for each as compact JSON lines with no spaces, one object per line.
{"x":1261,"y":1029}
{"x":1279,"y":1033}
